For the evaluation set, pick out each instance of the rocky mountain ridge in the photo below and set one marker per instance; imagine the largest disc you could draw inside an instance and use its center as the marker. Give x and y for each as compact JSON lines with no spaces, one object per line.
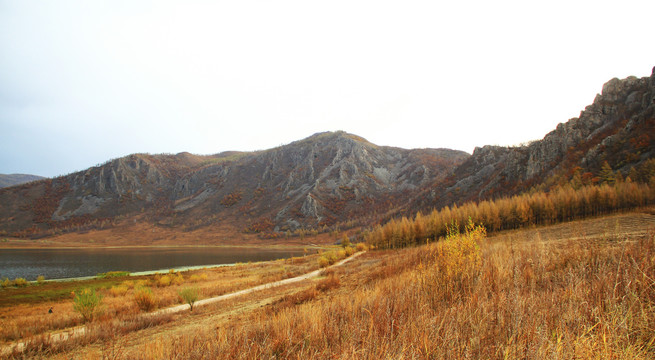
{"x":618,"y":127}
{"x":334,"y":178}
{"x":325,"y":179}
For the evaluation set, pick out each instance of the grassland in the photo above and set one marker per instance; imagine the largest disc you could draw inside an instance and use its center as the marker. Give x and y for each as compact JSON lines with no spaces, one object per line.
{"x":24,"y":311}
{"x":584,"y":289}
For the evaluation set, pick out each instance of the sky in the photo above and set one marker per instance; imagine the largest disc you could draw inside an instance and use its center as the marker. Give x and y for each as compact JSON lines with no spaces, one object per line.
{"x":82,"y":82}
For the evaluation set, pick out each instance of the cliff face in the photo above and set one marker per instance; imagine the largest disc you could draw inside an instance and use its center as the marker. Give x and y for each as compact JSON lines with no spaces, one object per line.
{"x":324,"y":179}
{"x":619,"y":127}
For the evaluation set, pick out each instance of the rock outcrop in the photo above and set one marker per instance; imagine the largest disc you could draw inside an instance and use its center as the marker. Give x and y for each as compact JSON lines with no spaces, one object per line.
{"x":619,"y":127}
{"x":322,"y":180}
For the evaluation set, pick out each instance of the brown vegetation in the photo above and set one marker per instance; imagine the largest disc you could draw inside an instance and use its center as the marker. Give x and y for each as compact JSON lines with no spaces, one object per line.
{"x":538,"y":208}
{"x":24,"y":310}
{"x":465,"y":297}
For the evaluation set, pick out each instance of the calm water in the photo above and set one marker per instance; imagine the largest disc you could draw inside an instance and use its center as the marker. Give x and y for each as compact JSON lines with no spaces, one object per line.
{"x":68,"y":263}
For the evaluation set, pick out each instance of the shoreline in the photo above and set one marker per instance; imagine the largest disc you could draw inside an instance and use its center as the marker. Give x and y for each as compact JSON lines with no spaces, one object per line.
{"x":275,"y":248}
{"x":253,"y":246}
{"x":146,"y":272}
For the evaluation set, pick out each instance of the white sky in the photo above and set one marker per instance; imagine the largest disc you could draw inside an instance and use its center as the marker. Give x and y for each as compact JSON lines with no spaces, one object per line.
{"x":85,"y":81}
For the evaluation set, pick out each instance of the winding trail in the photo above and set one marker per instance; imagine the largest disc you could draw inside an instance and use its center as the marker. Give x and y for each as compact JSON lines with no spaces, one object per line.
{"x":315,"y":273}
{"x":81,"y":330}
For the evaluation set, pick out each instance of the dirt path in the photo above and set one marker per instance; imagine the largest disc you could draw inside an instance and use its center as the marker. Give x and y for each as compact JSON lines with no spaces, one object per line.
{"x":81,"y":330}
{"x":310,"y":275}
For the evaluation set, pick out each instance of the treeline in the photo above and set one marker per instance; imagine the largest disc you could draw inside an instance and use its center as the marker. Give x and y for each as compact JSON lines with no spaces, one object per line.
{"x":564,"y":203}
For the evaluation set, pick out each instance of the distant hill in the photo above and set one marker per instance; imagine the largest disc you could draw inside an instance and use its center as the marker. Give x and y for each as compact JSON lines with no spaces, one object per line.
{"x":17,"y":179}
{"x":335,"y":180}
{"x":326,"y":179}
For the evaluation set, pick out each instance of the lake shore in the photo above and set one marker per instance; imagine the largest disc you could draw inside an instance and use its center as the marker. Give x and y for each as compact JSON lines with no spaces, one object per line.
{"x":71,"y":263}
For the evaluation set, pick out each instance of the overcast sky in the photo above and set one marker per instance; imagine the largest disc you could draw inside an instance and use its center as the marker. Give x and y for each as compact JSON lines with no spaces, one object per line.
{"x":82,"y":82}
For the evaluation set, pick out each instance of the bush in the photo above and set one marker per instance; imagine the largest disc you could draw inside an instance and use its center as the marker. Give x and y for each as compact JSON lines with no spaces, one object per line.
{"x":145,"y":299}
{"x":349,"y":251}
{"x":119,"y":290}
{"x":345,"y":242}
{"x":189,"y":296}
{"x":141,"y":283}
{"x":5,"y":283}
{"x":20,"y":282}
{"x":163,"y":281}
{"x":112,"y":274}
{"x":178,"y":279}
{"x":87,"y":303}
{"x":323,"y":261}
{"x":361,"y":247}
{"x":40,"y":279}
{"x":332,"y":257}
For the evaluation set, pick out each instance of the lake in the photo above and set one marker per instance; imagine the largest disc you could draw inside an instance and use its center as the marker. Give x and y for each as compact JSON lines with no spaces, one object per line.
{"x":72,"y":263}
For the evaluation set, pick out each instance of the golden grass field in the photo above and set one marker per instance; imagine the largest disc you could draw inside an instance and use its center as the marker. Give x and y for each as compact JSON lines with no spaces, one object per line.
{"x":584,"y":289}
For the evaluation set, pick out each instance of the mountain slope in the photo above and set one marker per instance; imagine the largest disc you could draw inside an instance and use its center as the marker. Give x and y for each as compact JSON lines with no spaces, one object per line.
{"x":7,"y":180}
{"x":320,"y":181}
{"x":619,"y":127}
{"x":336,"y":179}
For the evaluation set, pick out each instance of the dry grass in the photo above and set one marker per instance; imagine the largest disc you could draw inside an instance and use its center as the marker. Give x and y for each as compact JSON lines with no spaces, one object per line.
{"x":24,"y":311}
{"x":590,"y":299}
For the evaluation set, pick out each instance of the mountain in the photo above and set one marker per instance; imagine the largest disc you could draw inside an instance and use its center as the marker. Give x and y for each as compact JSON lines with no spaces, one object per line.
{"x":618,"y":128}
{"x":326,"y":179}
{"x":334,"y":180}
{"x":17,"y":179}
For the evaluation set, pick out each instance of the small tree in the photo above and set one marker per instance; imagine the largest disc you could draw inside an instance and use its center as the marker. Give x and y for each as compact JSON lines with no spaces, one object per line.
{"x":189,"y":295}
{"x":345,"y":241}
{"x":87,"y":303}
{"x":606,"y":174}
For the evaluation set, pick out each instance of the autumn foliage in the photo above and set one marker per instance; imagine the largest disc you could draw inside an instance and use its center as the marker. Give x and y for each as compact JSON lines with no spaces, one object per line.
{"x":564,"y":203}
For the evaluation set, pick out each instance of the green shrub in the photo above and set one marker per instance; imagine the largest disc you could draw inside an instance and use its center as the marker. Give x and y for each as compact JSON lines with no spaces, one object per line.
{"x":40,"y":279}
{"x":5,"y":283}
{"x":189,"y":296}
{"x":87,"y":303}
{"x":112,"y":274}
{"x":20,"y":282}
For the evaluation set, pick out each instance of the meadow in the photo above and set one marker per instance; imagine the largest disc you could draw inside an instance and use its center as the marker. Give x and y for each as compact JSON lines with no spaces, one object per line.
{"x":25,"y":308}
{"x":520,"y":295}
{"x":583,"y":289}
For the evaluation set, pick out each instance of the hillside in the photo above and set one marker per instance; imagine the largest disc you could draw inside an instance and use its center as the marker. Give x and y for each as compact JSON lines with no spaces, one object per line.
{"x":315,"y":183}
{"x":7,"y":180}
{"x":334,"y":180}
{"x":583,"y":289}
{"x":619,"y":127}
